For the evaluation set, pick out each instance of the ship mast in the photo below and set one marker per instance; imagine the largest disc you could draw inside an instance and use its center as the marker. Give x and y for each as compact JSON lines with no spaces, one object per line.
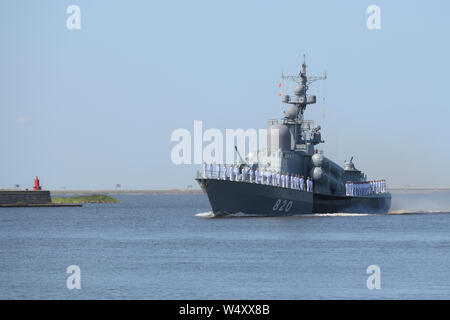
{"x":294,"y":119}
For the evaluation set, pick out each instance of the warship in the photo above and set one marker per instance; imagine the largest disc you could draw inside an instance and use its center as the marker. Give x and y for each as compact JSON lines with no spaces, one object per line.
{"x":291,"y":148}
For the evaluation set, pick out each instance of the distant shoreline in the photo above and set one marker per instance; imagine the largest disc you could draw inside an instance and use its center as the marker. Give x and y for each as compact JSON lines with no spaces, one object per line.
{"x":127,"y":192}
{"x":199,"y":191}
{"x":417,"y":190}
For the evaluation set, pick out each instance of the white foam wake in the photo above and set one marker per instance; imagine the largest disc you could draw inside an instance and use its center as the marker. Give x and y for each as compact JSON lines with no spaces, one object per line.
{"x":341,"y":214}
{"x":417,"y":211}
{"x":209,"y":214}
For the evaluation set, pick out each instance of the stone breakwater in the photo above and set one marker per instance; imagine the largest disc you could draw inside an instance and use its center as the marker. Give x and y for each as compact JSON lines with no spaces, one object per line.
{"x":11,"y":197}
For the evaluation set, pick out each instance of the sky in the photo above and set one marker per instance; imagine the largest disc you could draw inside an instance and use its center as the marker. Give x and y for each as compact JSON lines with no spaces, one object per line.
{"x":96,"y":107}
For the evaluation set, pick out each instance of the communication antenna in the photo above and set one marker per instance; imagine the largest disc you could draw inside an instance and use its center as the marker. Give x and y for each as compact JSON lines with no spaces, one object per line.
{"x":302,"y":75}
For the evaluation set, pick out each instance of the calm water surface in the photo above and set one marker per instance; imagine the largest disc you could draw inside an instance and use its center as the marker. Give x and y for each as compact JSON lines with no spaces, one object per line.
{"x":157,"y":247}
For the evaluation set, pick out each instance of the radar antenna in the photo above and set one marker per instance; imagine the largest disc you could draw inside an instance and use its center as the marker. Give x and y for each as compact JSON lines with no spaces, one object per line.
{"x":302,"y":99}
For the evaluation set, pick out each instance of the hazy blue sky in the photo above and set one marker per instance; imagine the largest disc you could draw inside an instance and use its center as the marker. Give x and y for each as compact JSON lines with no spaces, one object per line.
{"x":89,"y":108}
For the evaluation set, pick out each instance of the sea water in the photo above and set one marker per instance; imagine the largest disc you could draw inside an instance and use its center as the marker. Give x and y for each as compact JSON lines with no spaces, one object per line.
{"x":172,"y":247}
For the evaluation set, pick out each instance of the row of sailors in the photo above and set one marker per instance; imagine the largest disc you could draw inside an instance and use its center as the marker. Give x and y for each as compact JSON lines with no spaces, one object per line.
{"x":273,"y":178}
{"x":365,"y":188}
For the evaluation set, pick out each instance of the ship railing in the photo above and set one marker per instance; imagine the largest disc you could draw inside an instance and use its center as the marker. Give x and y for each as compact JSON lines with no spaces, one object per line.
{"x":366,"y":188}
{"x":266,"y":180}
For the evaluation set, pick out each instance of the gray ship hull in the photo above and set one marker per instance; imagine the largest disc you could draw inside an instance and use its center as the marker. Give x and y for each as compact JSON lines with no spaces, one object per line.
{"x":377,"y":203}
{"x":231,"y":197}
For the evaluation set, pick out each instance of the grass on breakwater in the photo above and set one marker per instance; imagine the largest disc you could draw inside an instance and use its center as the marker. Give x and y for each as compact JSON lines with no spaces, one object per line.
{"x":95,"y":198}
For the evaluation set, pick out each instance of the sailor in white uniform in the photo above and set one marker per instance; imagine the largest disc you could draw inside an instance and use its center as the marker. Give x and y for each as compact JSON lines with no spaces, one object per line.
{"x":205,"y":167}
{"x":236,"y":173}
{"x":218,"y":171}
{"x":231,"y":172}
{"x":243,"y":174}
{"x":251,"y":173}
{"x":224,"y":172}
{"x":211,"y":170}
{"x":261,"y":173}
{"x":282,"y":179}
{"x":257,"y":175}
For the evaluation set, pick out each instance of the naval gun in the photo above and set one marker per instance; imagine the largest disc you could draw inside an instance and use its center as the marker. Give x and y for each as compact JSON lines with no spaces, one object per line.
{"x":239,"y":155}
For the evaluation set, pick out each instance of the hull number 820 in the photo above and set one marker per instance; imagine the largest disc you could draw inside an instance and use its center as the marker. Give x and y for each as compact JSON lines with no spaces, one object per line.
{"x":282,"y":205}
